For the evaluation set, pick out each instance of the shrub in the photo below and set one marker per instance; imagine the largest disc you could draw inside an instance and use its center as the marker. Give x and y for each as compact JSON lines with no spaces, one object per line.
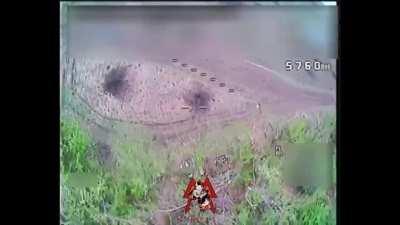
{"x":245,"y":157}
{"x":139,"y":168}
{"x":298,"y":132}
{"x":83,"y":205}
{"x":315,"y":211}
{"x":289,"y":217}
{"x":254,"y":198}
{"x":270,"y":218}
{"x":120,"y":206}
{"x":269,"y":169}
{"x":114,"y":193}
{"x":302,"y":131}
{"x":244,"y":217}
{"x":328,"y":129}
{"x":245,"y":153}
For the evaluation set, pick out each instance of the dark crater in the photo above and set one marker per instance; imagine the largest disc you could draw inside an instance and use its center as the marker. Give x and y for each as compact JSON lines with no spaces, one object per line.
{"x":198,"y":99}
{"x":115,"y":82}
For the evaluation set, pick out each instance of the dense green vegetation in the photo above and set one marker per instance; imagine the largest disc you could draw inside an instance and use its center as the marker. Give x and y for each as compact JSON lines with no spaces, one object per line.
{"x":75,"y":145}
{"x":245,"y":158}
{"x":303,"y":131}
{"x":266,"y":202}
{"x":303,"y":209}
{"x":125,"y":193}
{"x":115,"y":194}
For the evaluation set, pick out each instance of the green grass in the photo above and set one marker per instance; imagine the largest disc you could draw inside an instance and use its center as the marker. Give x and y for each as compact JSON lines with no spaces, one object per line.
{"x":308,"y":210}
{"x":314,"y":210}
{"x":327,"y":131}
{"x":254,"y":198}
{"x":270,"y":172}
{"x":139,"y":168}
{"x":302,"y":131}
{"x":270,"y":218}
{"x":121,"y":206}
{"x":245,"y":156}
{"x":83,"y":205}
{"x":244,"y":216}
{"x":298,"y":132}
{"x":75,"y":144}
{"x":181,"y":189}
{"x":334,"y":168}
{"x":118,"y":193}
{"x":199,"y":159}
{"x":128,"y":189}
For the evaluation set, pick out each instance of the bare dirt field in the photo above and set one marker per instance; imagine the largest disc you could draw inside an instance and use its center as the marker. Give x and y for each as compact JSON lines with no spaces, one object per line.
{"x":179,"y":98}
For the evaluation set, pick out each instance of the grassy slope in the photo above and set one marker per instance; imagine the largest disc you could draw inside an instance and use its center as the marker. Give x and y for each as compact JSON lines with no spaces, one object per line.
{"x":119,"y":194}
{"x":311,"y":208}
{"x":126,"y":193}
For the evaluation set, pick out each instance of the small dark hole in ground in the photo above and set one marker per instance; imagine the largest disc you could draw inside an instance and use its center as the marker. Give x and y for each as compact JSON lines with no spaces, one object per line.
{"x":198,"y":100}
{"x":115,"y":82}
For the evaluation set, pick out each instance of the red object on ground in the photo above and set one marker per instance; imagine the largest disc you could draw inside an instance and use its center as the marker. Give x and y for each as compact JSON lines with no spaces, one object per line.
{"x":190,"y":188}
{"x":206,"y":184}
